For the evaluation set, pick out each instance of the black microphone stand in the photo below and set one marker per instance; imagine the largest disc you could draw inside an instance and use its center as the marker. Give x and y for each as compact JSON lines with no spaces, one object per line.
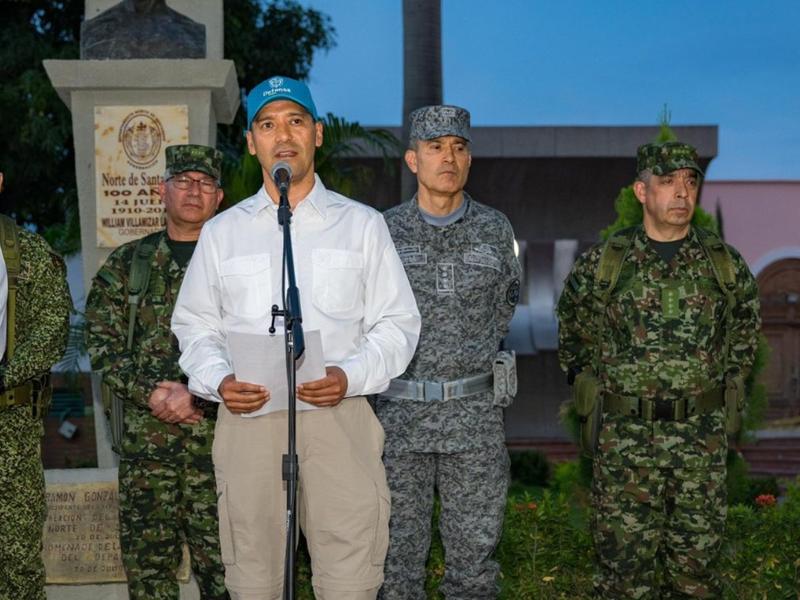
{"x":294,"y":347}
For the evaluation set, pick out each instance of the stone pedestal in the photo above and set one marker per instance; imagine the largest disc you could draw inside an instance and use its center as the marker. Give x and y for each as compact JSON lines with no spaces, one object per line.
{"x":208,"y":88}
{"x":203,"y":92}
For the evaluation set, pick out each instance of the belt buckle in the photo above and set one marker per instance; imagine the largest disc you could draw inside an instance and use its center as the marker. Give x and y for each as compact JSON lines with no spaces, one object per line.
{"x":663,"y":410}
{"x":434,"y":391}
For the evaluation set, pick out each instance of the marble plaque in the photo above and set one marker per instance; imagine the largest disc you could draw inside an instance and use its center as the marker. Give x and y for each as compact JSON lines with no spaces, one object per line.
{"x":129,"y":144}
{"x":81,"y":533}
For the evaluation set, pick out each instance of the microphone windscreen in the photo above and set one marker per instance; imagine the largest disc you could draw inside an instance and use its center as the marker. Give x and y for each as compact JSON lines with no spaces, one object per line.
{"x":279,"y":166}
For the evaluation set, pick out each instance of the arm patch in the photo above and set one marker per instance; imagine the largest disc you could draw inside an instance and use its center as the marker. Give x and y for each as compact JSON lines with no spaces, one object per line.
{"x":512,"y":293}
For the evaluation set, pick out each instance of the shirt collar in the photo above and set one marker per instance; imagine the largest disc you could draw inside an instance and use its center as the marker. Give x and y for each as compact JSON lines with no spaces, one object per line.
{"x":317,"y":200}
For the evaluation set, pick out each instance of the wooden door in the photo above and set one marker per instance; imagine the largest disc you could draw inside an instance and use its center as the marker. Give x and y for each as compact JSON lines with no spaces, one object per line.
{"x":779,"y":290}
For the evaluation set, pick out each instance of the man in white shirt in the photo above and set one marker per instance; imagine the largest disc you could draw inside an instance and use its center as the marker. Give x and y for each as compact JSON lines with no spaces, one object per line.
{"x":355,"y":292}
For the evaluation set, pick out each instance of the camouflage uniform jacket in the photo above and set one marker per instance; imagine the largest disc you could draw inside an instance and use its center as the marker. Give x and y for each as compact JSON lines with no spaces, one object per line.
{"x":465,"y":278}
{"x":651,"y":347}
{"x":43,"y":306}
{"x":134,"y":375}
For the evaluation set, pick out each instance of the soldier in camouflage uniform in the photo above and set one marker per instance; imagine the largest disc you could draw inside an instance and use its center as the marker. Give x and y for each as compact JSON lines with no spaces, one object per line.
{"x":662,"y":347}
{"x":30,"y":343}
{"x":166,"y":477}
{"x":443,"y":422}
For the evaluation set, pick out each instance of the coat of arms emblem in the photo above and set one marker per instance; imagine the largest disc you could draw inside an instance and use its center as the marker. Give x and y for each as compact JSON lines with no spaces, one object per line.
{"x":141,"y":135}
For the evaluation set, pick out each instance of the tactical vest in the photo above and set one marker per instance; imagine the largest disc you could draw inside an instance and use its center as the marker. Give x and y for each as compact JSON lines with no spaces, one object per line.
{"x":35,"y":393}
{"x":139,"y":278}
{"x":138,"y":282}
{"x":10,"y":249}
{"x":616,"y":250}
{"x":612,"y":258}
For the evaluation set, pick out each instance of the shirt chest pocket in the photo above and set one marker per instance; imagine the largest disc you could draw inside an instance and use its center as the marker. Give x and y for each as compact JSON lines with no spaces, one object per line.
{"x":703,"y":302}
{"x":247,"y":285}
{"x":338,"y":286}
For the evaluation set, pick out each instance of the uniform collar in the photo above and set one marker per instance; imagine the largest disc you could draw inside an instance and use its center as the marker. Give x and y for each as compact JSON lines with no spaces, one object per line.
{"x":467,"y":204}
{"x":642,"y":242}
{"x":316,"y":201}
{"x":641,"y":235}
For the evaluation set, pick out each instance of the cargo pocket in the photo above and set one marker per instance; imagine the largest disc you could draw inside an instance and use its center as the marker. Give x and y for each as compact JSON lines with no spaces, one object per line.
{"x":225,"y":527}
{"x":380,"y":541}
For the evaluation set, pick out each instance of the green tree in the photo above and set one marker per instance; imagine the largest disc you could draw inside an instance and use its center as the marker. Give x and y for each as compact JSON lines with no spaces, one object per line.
{"x":36,"y":150}
{"x":36,"y":145}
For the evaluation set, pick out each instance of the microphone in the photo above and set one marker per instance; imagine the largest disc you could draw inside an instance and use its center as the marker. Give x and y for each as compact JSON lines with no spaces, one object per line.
{"x":282,"y":176}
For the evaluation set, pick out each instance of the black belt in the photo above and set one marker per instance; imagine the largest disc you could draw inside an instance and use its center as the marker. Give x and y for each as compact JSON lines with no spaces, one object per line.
{"x":664,"y":410}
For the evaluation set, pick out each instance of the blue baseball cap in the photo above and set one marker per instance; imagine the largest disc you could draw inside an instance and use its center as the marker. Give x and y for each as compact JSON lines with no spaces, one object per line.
{"x":279,"y":88}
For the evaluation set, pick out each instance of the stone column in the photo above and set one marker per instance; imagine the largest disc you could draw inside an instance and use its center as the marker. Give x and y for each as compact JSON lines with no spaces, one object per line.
{"x":201,"y":92}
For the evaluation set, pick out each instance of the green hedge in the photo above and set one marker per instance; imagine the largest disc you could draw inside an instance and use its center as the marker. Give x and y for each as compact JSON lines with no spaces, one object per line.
{"x":546,"y":550}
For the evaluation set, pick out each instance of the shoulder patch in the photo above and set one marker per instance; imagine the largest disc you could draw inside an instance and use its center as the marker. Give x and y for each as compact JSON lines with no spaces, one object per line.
{"x":512,"y":293}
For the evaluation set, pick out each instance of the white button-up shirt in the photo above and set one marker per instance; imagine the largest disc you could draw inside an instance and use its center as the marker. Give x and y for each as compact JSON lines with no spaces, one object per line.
{"x":353,"y":288}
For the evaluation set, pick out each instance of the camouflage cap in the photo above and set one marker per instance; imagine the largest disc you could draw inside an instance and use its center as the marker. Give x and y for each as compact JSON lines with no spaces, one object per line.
{"x":431,"y":122}
{"x":193,"y":157}
{"x":664,"y":157}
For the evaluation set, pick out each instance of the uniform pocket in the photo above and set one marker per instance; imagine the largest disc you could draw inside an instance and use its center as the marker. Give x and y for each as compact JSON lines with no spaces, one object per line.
{"x":225,"y":528}
{"x":247,"y":285}
{"x":338,"y":285}
{"x":380,"y":541}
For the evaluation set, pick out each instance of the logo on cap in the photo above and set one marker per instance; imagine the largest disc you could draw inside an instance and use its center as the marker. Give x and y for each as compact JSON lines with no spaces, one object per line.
{"x":276,"y":82}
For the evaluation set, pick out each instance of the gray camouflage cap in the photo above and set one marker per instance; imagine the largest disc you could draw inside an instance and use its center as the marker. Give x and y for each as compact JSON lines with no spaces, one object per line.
{"x":665,"y":157}
{"x":431,"y":122}
{"x":193,"y":157}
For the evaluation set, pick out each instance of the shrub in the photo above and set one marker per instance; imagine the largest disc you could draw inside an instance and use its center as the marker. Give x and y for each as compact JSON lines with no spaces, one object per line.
{"x":546,"y":550}
{"x":573,"y":478}
{"x":530,"y":467}
{"x":743,"y":489}
{"x":761,"y":553}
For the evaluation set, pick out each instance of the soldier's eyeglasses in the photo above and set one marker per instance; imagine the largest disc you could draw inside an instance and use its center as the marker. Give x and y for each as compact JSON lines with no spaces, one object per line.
{"x":207,"y":186}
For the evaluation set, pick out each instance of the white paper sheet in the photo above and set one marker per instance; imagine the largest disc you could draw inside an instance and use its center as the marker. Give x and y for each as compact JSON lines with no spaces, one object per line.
{"x":260,"y":359}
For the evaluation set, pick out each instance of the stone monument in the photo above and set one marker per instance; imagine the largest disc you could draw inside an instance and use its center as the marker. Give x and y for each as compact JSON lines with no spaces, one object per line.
{"x":151,"y":74}
{"x":142,"y":29}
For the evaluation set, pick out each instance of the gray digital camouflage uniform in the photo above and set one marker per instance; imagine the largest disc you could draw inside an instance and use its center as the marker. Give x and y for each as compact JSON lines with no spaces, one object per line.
{"x":659,"y":486}
{"x":166,"y":477}
{"x":465,"y":278}
{"x":42,"y":324}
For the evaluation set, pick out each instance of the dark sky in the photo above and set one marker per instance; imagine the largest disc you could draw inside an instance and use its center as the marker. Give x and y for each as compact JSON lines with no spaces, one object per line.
{"x":735,"y":64}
